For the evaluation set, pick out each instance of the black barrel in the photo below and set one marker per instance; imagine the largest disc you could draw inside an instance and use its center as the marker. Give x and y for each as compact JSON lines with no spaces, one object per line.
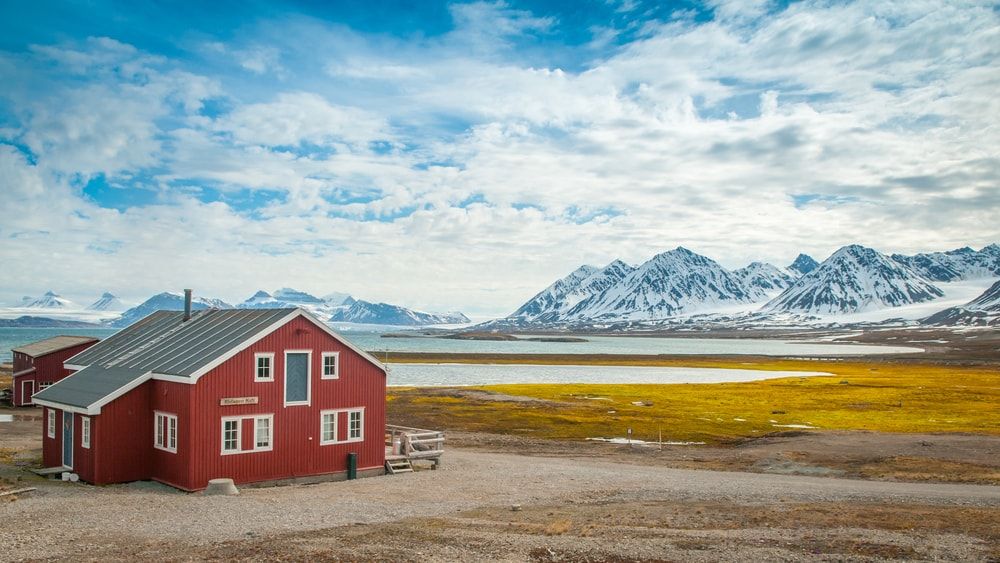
{"x":352,"y":466}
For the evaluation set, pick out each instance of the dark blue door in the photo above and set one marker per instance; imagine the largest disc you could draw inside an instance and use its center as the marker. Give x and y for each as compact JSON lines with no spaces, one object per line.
{"x":296,"y":378}
{"x":68,"y":439}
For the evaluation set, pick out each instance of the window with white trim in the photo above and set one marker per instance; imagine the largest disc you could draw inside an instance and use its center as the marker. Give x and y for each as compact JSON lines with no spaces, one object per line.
{"x":44,"y":384}
{"x":328,"y":427}
{"x":330,"y":420}
{"x":331,"y":365}
{"x":262,"y":430}
{"x":165,"y":432}
{"x":232,"y":433}
{"x":355,"y":425}
{"x":85,"y":432}
{"x":50,"y":427}
{"x":264,"y":366}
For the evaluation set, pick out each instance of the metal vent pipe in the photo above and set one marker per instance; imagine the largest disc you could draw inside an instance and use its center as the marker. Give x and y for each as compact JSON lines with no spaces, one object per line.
{"x":187,"y":305}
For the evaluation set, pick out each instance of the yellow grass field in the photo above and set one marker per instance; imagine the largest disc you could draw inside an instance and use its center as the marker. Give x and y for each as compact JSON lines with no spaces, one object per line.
{"x":891,"y":397}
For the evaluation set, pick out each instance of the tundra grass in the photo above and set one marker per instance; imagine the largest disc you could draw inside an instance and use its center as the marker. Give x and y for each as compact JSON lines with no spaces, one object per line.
{"x":885,"y":397}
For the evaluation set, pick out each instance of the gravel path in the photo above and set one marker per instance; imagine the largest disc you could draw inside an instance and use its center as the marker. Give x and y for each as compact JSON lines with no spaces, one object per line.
{"x":62,"y":519}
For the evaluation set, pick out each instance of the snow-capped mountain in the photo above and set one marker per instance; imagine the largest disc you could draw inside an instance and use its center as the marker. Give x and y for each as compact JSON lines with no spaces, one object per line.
{"x":671,"y":283}
{"x":341,"y":307}
{"x":854,"y":279}
{"x":363,"y":312}
{"x":51,"y":300}
{"x":165,"y":301}
{"x":337,"y":299}
{"x":107,"y":302}
{"x":988,"y":301}
{"x":559,"y":298}
{"x":981,"y":311}
{"x":554,"y":297}
{"x":263,"y":300}
{"x":802,"y":265}
{"x":959,"y":264}
{"x":289,"y":295}
{"x":767,"y":277}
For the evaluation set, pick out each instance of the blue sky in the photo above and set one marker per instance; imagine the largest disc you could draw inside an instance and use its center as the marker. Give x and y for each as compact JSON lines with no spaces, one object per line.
{"x":462,"y":155}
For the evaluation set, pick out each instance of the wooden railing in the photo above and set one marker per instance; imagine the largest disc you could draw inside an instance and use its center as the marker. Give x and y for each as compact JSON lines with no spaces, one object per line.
{"x":414,"y":443}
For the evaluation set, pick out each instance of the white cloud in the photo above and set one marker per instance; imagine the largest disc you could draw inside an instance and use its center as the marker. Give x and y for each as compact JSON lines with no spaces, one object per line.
{"x":883,"y":114}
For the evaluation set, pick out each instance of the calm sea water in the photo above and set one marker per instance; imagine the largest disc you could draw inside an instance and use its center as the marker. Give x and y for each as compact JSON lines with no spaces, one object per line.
{"x":422,"y":375}
{"x":623,"y":345}
{"x":12,"y":337}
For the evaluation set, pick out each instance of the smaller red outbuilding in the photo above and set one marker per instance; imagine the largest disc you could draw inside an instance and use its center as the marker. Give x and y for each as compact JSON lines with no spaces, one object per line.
{"x":40,"y":364}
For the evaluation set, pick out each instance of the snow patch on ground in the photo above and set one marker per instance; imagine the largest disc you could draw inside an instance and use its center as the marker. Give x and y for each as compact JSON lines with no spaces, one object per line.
{"x":643,"y":443}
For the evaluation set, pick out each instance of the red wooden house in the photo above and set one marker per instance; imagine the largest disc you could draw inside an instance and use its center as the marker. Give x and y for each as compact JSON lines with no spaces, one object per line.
{"x":40,"y":364}
{"x":252,"y":395}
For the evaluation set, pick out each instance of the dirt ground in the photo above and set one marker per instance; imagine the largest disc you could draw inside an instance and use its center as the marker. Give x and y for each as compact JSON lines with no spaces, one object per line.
{"x":507,"y":507}
{"x":781,"y":498}
{"x":940,"y":458}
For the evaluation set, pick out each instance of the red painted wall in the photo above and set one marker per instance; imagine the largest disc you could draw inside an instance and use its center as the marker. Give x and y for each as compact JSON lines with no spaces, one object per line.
{"x":51,"y":447}
{"x":47,"y":368}
{"x":296,"y":432}
{"x":122,"y":438}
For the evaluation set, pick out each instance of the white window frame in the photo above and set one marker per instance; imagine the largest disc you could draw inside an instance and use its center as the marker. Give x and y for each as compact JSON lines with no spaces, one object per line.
{"x":50,"y":430}
{"x":44,"y":385}
{"x":361,"y":425}
{"x":336,"y":426}
{"x":284,"y":377}
{"x":85,"y":432}
{"x":239,"y":433}
{"x":168,"y":440}
{"x":256,"y":367}
{"x":256,"y":433}
{"x":24,"y":400}
{"x":336,"y":365}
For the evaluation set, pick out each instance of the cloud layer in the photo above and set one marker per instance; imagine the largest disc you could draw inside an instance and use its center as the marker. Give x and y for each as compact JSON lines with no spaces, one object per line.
{"x":467,"y":168}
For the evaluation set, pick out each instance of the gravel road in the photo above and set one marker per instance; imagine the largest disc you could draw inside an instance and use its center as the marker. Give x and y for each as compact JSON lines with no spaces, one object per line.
{"x":62,"y":519}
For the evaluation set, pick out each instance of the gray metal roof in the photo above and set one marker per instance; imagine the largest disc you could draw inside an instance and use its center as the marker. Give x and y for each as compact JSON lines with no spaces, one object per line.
{"x":164,"y":343}
{"x":87,"y":386}
{"x":54,"y":344}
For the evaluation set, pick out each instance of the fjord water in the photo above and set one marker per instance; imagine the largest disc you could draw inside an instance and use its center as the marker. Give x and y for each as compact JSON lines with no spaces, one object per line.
{"x":428,"y":375}
{"x":622,"y":345}
{"x":12,"y":337}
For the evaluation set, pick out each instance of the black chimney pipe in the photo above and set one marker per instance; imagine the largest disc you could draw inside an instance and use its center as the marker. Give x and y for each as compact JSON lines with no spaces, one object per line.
{"x":187,"y":305}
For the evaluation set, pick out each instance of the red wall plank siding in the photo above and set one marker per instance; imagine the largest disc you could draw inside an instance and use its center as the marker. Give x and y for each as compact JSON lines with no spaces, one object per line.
{"x":47,"y":368}
{"x":83,"y":458}
{"x":296,"y":451}
{"x":51,"y":447}
{"x":122,"y":438}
